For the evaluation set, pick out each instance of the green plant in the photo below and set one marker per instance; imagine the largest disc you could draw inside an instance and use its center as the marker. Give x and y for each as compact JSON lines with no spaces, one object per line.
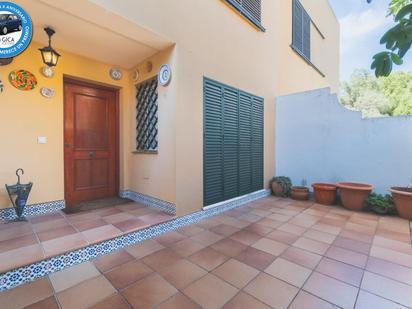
{"x":285,"y":183}
{"x":381,"y":204}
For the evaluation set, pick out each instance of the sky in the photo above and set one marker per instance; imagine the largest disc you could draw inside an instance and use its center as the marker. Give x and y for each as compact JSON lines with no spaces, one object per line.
{"x":362,"y":26}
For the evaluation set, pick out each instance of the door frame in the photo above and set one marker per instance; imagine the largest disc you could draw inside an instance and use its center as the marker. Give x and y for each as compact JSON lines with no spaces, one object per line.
{"x":116,"y":91}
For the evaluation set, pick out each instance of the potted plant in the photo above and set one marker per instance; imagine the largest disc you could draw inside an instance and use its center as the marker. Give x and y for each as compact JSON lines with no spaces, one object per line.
{"x":300,"y":193}
{"x":325,"y":193}
{"x":402,"y":196}
{"x":281,"y":186}
{"x":381,"y":204}
{"x":353,"y":195}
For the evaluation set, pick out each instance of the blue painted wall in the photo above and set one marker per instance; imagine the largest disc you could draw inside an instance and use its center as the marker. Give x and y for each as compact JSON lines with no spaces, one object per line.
{"x":319,"y":140}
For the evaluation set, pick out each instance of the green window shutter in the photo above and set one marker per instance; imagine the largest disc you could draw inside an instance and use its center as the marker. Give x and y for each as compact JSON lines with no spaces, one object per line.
{"x":230,"y":145}
{"x":233,"y":142}
{"x":301,"y":23}
{"x":306,"y":34}
{"x":245,"y":143}
{"x":257,"y":143}
{"x":213,"y":143}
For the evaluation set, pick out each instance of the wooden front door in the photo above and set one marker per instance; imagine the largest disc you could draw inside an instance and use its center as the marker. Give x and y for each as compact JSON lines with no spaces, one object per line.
{"x":90,"y":142}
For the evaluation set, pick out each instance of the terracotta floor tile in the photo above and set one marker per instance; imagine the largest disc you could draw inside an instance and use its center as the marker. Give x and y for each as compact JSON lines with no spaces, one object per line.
{"x":304,"y":220}
{"x":82,"y":216}
{"x":140,"y":211}
{"x":118,"y":217}
{"x":244,"y":301}
{"x":353,"y":245}
{"x":341,"y":271}
{"x":181,"y":273}
{"x":356,"y":236}
{"x":144,"y":248}
{"x":208,"y":223}
{"x":249,"y":217}
{"x":236,"y":273}
{"x":331,"y":290}
{"x":229,"y":247}
{"x":259,"y":229}
{"x":86,"y":294}
{"x":131,"y":225}
{"x":49,"y":303}
{"x":270,"y":246}
{"x":156,"y":218}
{"x":201,"y":291}
{"x":63,"y":244}
{"x":113,"y":302}
{"x":246,"y":237}
{"x":335,"y":230}
{"x":271,"y":291}
{"x":224,"y":230}
{"x":149,"y":292}
{"x":320,"y":236}
{"x":72,"y":276}
{"x":161,"y":259}
{"x":305,"y":300}
{"x":311,"y":245}
{"x":284,"y":237}
{"x":288,"y":271}
{"x":391,"y":270}
{"x":13,"y":231}
{"x":279,"y":217}
{"x":101,"y":233}
{"x":27,"y":294}
{"x":88,"y":224}
{"x":111,"y":260}
{"x":49,"y":225}
{"x":45,"y":218}
{"x":186,"y":247}
{"x":367,"y":301}
{"x":402,"y":237}
{"x":190,"y":230}
{"x":179,"y":301}
{"x":393,"y":244}
{"x":270,"y":223}
{"x":347,"y":256}
{"x":128,"y":273}
{"x":392,"y":256}
{"x":56,"y":233}
{"x":387,"y":288}
{"x":104,"y":212}
{"x":20,"y":257}
{"x":167,"y":239}
{"x":293,"y":229}
{"x":255,"y":258}
{"x":301,"y":257}
{"x":207,"y":238}
{"x":208,"y":258}
{"x":19,"y":242}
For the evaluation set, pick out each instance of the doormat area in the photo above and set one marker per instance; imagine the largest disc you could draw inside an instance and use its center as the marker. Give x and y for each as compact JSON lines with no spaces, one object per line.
{"x":97,"y":204}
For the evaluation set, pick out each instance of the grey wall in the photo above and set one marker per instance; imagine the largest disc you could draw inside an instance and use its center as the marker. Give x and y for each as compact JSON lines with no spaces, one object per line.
{"x":319,"y":140}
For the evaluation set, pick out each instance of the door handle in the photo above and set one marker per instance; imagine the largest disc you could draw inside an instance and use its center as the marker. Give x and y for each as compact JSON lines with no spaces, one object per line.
{"x":92,"y":154}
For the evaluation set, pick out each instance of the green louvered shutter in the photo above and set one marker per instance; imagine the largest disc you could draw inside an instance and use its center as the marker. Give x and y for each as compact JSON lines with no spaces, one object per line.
{"x":233,"y":142}
{"x":306,"y":34}
{"x":230,"y":144}
{"x":257,"y":144}
{"x":297,"y":35}
{"x":213,"y":143}
{"x":245,"y":143}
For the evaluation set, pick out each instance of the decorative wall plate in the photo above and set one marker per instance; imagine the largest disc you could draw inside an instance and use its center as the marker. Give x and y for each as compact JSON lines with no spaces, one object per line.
{"x":116,"y":74}
{"x":22,"y":80}
{"x":47,"y":92}
{"x":165,"y":75}
{"x":47,"y":71}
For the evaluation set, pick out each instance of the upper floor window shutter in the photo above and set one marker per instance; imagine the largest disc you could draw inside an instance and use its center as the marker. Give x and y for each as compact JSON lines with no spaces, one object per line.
{"x":301,"y":23}
{"x":251,"y":9}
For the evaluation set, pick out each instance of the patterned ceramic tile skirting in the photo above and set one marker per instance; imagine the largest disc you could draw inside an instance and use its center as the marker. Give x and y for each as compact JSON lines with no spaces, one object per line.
{"x":149,"y":201}
{"x":33,"y":210}
{"x":34,"y":271}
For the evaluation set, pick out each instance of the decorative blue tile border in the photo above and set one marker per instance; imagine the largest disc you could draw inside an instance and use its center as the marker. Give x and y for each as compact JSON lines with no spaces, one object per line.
{"x":149,"y":201}
{"x":34,"y":271}
{"x":33,"y":210}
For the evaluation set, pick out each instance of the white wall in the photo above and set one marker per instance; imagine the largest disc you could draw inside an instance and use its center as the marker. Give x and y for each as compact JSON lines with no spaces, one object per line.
{"x":319,"y":140}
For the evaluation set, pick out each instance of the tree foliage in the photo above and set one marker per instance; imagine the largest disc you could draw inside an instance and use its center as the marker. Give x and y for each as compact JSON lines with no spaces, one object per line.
{"x":377,"y":97}
{"x":397,"y":40}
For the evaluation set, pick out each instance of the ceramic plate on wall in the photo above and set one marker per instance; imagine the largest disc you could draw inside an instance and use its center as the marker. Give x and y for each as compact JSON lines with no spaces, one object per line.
{"x":116,"y":74}
{"x":47,"y":72}
{"x":22,"y":80}
{"x":165,"y":75}
{"x":47,"y":92}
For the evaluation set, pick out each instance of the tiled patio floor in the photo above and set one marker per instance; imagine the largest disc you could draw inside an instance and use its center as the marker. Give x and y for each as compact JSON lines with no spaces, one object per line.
{"x":270,"y":253}
{"x":23,"y":243}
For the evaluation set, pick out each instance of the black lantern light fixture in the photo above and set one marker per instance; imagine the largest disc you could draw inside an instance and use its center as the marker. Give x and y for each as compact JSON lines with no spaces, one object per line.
{"x":49,"y":55}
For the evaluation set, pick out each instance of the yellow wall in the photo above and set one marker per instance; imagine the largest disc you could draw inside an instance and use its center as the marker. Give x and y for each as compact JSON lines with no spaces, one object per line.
{"x":25,"y":115}
{"x":211,"y":40}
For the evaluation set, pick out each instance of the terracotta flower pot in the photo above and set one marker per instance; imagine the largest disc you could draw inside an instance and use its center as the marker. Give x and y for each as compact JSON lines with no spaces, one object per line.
{"x":277,"y":189}
{"x":403,"y":201}
{"x":300,"y":193}
{"x":354,"y":195}
{"x":325,"y":193}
